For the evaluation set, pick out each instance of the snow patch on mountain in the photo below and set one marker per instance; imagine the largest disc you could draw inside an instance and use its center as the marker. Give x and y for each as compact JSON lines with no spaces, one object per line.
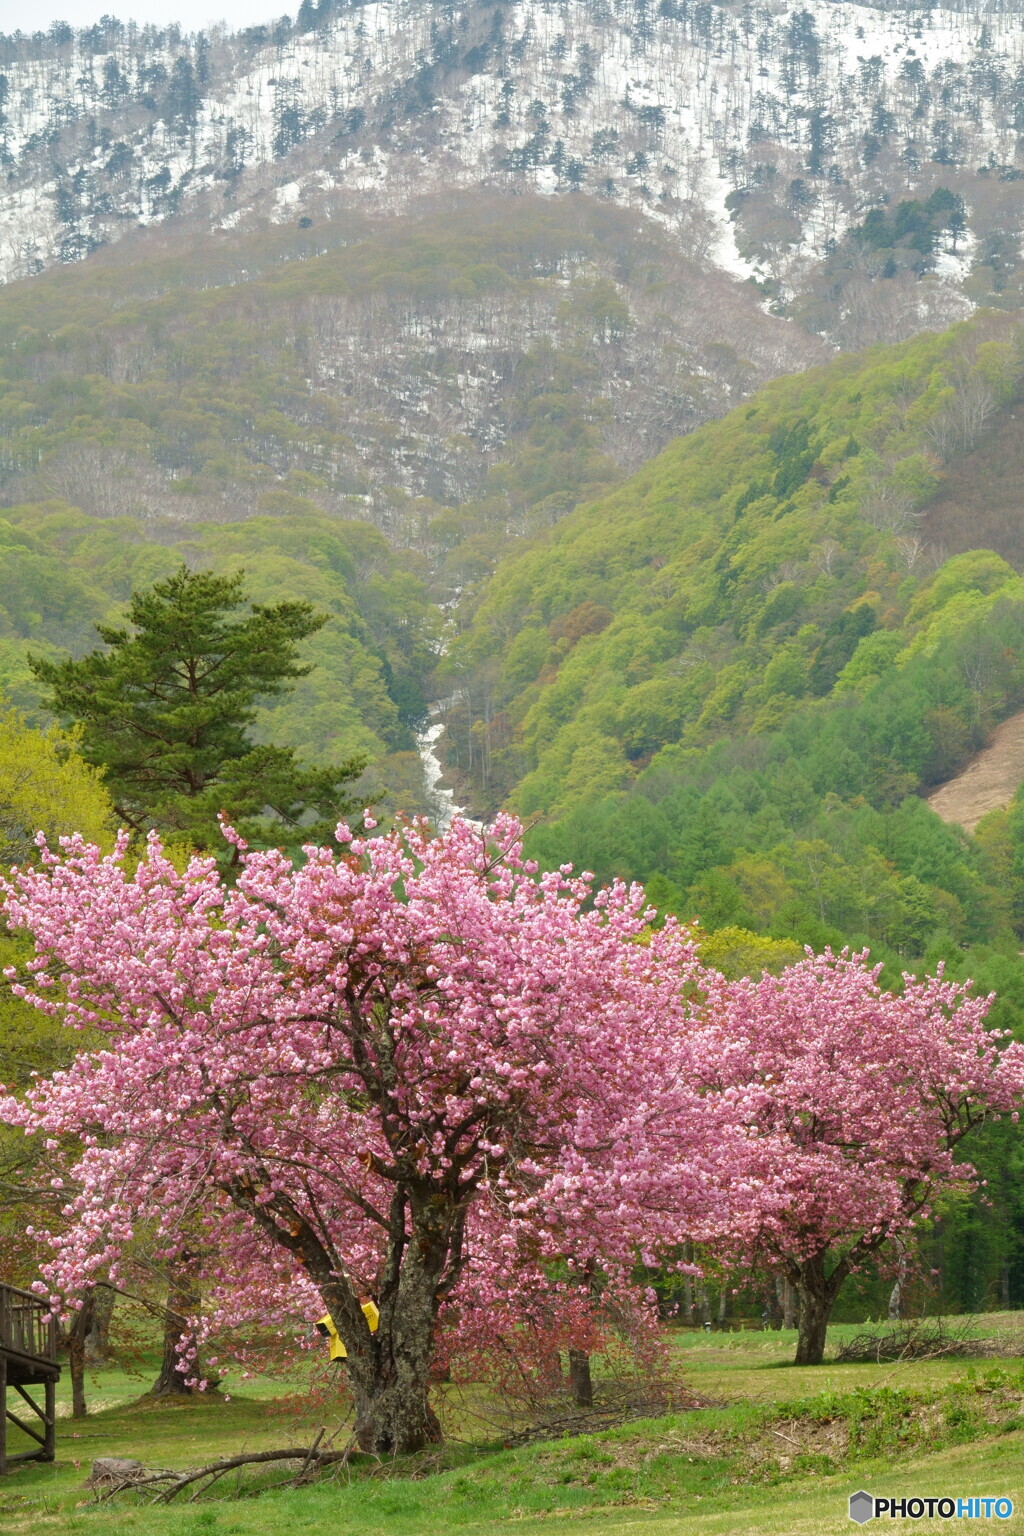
{"x":673,"y":111}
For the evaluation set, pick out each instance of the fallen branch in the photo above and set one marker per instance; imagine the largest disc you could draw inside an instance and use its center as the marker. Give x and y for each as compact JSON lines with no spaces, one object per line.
{"x":165,"y":1485}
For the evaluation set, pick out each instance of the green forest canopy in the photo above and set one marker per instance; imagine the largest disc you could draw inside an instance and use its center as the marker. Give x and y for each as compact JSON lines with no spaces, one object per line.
{"x":63,"y":571}
{"x":733,"y":577}
{"x":732,"y":676}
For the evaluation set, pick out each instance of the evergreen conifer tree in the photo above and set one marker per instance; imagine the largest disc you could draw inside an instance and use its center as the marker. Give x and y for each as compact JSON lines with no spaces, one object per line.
{"x":166,"y":706}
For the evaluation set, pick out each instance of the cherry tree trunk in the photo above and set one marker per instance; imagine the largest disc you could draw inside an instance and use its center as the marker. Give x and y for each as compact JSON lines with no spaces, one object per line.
{"x":175,"y":1372}
{"x":393,"y":1412}
{"x":97,"y":1338}
{"x":810,"y":1346}
{"x":76,"y":1354}
{"x":580,"y":1381}
{"x":390,"y":1370}
{"x":817,"y":1292}
{"x":896,"y":1294}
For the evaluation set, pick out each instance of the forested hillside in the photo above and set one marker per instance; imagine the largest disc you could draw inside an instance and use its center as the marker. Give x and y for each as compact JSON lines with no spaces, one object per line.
{"x":455,"y":378}
{"x":733,"y":674}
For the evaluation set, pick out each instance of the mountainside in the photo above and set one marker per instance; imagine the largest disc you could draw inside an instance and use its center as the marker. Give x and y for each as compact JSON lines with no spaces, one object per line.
{"x":770,"y":140}
{"x":732,"y":676}
{"x":733,"y":576}
{"x":463,"y":376}
{"x":457,"y":274}
{"x":524,"y":341}
{"x":457,"y":377}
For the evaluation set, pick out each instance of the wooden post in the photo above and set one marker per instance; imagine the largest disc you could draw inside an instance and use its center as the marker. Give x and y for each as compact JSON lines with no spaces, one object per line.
{"x":50,"y":1432}
{"x":3,"y":1413}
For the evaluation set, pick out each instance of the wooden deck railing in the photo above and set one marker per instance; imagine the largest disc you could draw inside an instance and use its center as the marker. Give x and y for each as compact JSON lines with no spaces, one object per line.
{"x":25,"y":1328}
{"x":28,"y":1360}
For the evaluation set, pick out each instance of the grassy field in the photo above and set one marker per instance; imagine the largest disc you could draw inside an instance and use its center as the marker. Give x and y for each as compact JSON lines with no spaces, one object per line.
{"x":779,"y":1454}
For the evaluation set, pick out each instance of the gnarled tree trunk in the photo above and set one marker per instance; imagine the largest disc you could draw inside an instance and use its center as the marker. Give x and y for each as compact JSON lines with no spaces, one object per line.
{"x":390,"y":1370}
{"x":817,"y":1291}
{"x":391,"y":1382}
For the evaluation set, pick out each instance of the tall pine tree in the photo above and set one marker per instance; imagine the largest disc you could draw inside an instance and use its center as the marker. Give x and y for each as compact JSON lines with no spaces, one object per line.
{"x":166,"y":707}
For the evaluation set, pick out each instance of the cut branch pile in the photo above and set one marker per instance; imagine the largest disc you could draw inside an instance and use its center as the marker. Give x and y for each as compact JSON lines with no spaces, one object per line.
{"x":922,"y":1338}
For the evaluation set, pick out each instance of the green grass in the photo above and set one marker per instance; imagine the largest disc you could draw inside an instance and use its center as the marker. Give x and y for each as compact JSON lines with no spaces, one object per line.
{"x":759,"y":1365}
{"x":780,"y":1455}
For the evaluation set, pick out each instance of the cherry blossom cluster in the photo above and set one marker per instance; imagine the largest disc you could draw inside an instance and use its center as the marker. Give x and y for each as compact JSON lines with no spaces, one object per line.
{"x":285,"y":1077}
{"x":416,"y":1013}
{"x":853,"y":1101}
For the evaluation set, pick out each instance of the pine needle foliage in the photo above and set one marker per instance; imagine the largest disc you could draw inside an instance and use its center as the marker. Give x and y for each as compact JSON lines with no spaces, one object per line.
{"x":166,"y":705}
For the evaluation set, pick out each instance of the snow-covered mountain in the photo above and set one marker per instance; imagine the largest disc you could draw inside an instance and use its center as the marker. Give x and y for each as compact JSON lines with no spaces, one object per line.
{"x":760,"y":133}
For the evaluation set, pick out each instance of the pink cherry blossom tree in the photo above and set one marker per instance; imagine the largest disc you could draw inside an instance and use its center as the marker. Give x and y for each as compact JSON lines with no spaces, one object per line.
{"x":388,"y":1072}
{"x":854,"y":1101}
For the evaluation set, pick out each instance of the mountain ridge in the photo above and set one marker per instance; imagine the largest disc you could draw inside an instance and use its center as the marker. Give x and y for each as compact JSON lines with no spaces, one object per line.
{"x":758,"y":137}
{"x":456,"y":377}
